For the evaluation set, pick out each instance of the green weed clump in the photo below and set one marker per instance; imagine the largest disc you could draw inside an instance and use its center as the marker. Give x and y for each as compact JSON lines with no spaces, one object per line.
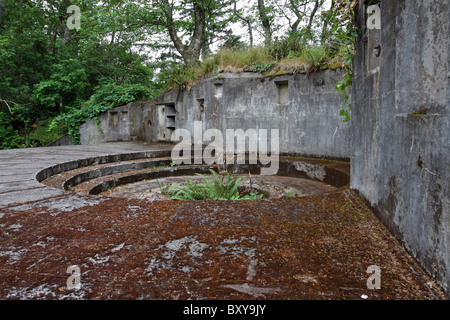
{"x":286,"y":56}
{"x":216,"y":188}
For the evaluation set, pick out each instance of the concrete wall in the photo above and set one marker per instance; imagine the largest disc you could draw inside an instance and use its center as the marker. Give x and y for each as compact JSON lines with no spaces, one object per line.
{"x":123,"y":123}
{"x":304,"y":109}
{"x":398,"y":138}
{"x":63,"y":141}
{"x":401,"y":157}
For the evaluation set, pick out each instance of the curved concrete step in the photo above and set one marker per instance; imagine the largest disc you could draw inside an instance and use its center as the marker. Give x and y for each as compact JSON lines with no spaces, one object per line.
{"x":113,"y":169}
{"x":23,"y":170}
{"x":298,"y":169}
{"x":93,"y":161}
{"x":132,"y":177}
{"x":99,"y":174}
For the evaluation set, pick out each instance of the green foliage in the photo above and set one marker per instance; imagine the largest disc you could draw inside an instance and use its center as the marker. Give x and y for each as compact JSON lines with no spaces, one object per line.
{"x":263,"y":67}
{"x":215,"y":188}
{"x":315,"y":55}
{"x":343,"y":24}
{"x":106,"y":96}
{"x":163,"y":188}
{"x":290,"y":46}
{"x":180,"y":76}
{"x":257,"y":59}
{"x":10,"y":137}
{"x":47,"y":70}
{"x":65,"y":86}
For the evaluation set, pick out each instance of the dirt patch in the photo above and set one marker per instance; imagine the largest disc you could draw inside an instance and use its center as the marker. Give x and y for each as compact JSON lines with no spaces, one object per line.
{"x":271,"y":186}
{"x":316,"y":247}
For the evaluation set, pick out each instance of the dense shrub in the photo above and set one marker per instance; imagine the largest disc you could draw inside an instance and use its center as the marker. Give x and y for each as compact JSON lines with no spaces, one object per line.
{"x":107,"y":96}
{"x":216,"y":188}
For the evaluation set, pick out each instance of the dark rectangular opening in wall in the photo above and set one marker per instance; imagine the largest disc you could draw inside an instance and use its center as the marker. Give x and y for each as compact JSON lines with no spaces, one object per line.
{"x":171,"y":114}
{"x":170,"y":122}
{"x":170,"y":110}
{"x":200,"y":109}
{"x":113,"y":118}
{"x":218,"y":90}
{"x":282,"y":92}
{"x":201,"y":105}
{"x":169,"y":132}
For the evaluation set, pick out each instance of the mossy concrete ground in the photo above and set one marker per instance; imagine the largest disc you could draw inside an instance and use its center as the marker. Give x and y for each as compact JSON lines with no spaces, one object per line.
{"x":315,"y":247}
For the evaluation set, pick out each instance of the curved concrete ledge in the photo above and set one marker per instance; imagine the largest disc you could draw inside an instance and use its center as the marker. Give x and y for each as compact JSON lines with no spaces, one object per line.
{"x":154,"y":174}
{"x":296,"y":169}
{"x":22,"y":170}
{"x":79,"y":163}
{"x":46,"y":229}
{"x":110,"y":170}
{"x":136,"y":164}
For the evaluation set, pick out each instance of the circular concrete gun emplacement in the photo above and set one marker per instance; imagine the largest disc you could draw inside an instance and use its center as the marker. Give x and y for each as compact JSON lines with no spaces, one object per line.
{"x":150,"y":177}
{"x":95,"y":213}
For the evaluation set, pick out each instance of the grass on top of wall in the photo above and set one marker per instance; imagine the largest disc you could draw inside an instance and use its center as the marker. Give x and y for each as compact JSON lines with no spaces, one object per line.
{"x":257,"y":59}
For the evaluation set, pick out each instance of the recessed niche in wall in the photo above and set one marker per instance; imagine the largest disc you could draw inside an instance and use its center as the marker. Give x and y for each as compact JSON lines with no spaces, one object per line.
{"x":113,"y":118}
{"x":171,"y":115}
{"x":201,"y":105}
{"x":218,"y":90}
{"x":199,"y":111}
{"x":282,"y":92}
{"x":124,"y":115}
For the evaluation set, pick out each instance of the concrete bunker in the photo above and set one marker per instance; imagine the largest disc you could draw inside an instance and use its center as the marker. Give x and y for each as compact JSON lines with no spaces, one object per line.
{"x":398,"y":137}
{"x":306,"y":114}
{"x":139,"y":176}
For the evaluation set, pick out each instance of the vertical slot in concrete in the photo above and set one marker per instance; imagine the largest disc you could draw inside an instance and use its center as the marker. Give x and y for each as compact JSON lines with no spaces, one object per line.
{"x":200,"y":109}
{"x":282,"y":92}
{"x":218,"y":90}
{"x":113,"y":118}
{"x":171,"y":114}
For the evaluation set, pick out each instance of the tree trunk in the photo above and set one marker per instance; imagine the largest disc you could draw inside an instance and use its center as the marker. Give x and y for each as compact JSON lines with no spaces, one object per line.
{"x":199,"y":32}
{"x":191,"y":52}
{"x":311,"y":19}
{"x":265,"y":22}
{"x":250,"y":32}
{"x":325,"y":24}
{"x":248,"y":21}
{"x":298,"y":15}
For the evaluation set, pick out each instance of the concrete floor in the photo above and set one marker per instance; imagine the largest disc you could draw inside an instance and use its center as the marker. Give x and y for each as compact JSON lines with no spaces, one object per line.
{"x":313,"y":247}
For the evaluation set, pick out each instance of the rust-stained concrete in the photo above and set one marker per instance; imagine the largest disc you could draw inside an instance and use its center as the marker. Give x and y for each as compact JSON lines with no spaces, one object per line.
{"x":315,"y":247}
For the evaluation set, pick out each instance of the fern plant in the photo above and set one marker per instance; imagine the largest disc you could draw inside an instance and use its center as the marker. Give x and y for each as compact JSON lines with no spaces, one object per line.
{"x":215,"y":188}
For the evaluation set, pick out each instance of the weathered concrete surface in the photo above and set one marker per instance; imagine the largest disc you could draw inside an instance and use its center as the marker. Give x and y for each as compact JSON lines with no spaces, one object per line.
{"x":119,"y":124}
{"x":401,"y":127}
{"x":63,"y":141}
{"x":305,"y":110}
{"x":293,"y":248}
{"x":19,"y":167}
{"x":303,"y":248}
